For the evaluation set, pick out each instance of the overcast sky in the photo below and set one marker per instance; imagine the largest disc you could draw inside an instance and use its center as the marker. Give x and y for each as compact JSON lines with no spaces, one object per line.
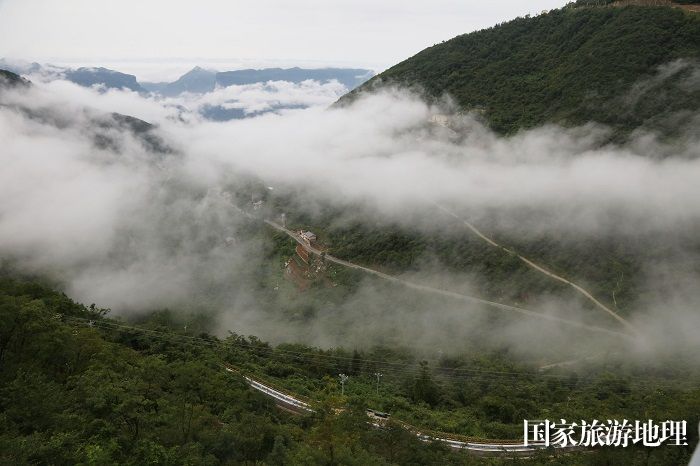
{"x":367,"y":33}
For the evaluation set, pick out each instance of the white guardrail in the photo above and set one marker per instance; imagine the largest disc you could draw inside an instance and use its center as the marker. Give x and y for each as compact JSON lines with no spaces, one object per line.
{"x":477,"y":448}
{"x":276,"y":394}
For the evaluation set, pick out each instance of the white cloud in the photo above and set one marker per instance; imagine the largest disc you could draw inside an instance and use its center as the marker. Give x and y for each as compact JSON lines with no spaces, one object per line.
{"x":131,"y":229}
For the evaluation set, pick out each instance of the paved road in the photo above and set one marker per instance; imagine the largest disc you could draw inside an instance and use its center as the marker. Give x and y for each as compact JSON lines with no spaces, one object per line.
{"x":429,"y":289}
{"x":283,"y":400}
{"x":297,"y":406}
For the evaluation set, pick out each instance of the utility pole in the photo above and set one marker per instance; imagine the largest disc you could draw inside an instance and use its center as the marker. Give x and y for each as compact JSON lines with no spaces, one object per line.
{"x":343,"y":378}
{"x":378,"y":374}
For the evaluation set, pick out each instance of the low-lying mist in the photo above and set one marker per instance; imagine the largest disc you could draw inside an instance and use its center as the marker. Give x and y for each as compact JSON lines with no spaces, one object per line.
{"x":135,"y":229}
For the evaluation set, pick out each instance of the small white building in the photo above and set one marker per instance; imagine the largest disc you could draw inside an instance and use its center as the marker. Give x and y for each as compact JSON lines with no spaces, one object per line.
{"x":308,"y":237}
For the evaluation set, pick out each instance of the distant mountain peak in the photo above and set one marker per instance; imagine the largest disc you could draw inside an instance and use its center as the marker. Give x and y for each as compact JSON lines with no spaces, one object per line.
{"x":198,"y":71}
{"x":200,"y":80}
{"x":91,"y":76}
{"x":349,"y":77}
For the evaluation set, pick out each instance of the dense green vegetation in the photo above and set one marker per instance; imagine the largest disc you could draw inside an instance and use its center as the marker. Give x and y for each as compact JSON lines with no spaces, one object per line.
{"x":79,"y":388}
{"x":71,"y":396}
{"x":572,"y":65}
{"x":73,"y":391}
{"x":605,"y":265}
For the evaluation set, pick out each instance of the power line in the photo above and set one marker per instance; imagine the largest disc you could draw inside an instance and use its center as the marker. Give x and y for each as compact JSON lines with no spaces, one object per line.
{"x":392,"y":366}
{"x":341,"y":362}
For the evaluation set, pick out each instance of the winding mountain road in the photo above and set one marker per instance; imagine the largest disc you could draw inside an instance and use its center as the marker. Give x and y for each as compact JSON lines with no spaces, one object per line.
{"x":428,"y":289}
{"x":294,"y":405}
{"x":543,"y":270}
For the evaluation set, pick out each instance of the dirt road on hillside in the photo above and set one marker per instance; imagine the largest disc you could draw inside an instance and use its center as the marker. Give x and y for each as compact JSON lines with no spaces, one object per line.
{"x":543,"y":270}
{"x":429,"y":289}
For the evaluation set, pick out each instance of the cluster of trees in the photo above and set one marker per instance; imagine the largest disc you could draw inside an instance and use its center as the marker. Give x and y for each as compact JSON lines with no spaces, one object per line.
{"x":69,"y":395}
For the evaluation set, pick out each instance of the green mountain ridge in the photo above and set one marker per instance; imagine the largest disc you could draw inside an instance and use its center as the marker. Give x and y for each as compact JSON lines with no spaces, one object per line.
{"x":572,"y":66}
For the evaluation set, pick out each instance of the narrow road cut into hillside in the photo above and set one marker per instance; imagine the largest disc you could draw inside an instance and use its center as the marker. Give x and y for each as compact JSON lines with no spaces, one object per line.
{"x":429,"y":289}
{"x":543,"y":271}
{"x":292,"y":404}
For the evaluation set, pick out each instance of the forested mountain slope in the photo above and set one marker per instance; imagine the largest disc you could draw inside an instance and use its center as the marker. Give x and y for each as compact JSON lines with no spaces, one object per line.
{"x":626,"y":67}
{"x":80,"y":388}
{"x":630,"y":67}
{"x":71,"y":393}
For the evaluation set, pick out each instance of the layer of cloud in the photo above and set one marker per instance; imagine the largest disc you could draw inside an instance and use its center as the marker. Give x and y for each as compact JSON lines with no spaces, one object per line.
{"x":251,"y":99}
{"x":132,"y":229}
